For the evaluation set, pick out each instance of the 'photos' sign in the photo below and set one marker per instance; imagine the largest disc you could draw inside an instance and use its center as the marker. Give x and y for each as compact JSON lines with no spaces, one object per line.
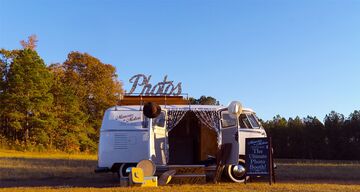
{"x":162,"y":88}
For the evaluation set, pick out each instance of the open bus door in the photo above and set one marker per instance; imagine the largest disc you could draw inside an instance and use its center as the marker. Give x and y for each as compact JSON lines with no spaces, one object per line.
{"x":230,"y":134}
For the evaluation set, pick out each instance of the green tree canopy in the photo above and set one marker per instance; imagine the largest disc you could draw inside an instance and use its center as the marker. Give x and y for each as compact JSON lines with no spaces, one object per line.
{"x":26,"y":99}
{"x":94,"y":83}
{"x":56,"y":107}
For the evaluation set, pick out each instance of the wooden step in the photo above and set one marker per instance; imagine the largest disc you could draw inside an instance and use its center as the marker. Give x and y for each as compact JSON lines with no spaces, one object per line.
{"x":188,"y":169}
{"x":188,"y":179}
{"x":185,"y":174}
{"x":188,"y":174}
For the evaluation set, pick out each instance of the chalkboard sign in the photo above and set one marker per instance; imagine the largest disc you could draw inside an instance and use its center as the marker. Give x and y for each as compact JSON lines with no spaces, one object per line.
{"x":259,"y":159}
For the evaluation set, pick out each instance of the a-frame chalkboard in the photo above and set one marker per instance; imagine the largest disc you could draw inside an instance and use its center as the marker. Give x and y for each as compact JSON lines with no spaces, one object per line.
{"x":259,"y":158}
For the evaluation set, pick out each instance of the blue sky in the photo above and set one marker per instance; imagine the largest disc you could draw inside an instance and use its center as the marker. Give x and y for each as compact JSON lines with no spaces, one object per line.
{"x":277,"y":57}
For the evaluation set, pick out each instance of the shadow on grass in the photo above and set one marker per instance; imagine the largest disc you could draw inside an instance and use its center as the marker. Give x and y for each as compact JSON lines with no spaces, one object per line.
{"x":33,"y":172}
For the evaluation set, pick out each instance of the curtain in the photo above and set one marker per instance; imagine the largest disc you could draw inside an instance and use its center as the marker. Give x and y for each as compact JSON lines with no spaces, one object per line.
{"x":209,"y":117}
{"x":174,"y":117}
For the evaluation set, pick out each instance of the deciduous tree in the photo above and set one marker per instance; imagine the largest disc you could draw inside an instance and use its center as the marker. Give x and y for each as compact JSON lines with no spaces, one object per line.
{"x":94,"y":83}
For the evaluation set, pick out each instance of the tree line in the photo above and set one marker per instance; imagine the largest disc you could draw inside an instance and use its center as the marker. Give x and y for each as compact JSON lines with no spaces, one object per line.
{"x":308,"y":138}
{"x":203,"y":100}
{"x":60,"y":107}
{"x":53,"y":107}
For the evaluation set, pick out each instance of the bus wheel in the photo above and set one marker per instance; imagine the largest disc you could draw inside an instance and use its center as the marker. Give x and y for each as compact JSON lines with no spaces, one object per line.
{"x":236,"y":173}
{"x":123,"y":170}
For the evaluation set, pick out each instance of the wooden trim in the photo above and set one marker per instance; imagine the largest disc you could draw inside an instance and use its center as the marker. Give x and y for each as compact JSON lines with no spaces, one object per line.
{"x":160,"y":100}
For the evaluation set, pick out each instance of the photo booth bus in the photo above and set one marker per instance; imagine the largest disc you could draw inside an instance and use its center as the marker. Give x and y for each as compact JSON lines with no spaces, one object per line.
{"x":181,"y":134}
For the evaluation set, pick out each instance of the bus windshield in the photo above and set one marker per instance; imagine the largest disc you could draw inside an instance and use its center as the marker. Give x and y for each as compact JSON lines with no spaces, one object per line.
{"x":248,"y":121}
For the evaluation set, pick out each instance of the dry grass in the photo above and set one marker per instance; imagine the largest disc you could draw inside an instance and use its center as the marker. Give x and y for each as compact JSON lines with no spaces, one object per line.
{"x":22,"y":171}
{"x":50,"y":169}
{"x":33,"y":168}
{"x":55,"y":155}
{"x":260,"y":187}
{"x":316,"y":170}
{"x":307,"y":162}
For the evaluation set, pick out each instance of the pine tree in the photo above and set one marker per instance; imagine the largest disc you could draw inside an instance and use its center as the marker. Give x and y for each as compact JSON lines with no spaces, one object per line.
{"x":27,"y":99}
{"x":4,"y":63}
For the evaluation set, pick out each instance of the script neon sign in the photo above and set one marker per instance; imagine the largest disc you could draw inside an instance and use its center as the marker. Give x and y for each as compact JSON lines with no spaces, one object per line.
{"x":162,"y":88}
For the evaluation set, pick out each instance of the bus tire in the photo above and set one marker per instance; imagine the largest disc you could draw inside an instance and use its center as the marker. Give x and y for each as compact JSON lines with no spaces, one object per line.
{"x":122,"y":170}
{"x":236,"y":173}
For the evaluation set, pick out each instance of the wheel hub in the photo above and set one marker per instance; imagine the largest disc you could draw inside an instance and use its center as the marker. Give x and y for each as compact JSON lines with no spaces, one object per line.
{"x":238,"y":170}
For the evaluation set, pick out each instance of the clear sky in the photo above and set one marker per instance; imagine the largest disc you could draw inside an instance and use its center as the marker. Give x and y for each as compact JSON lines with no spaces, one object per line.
{"x":277,"y":57}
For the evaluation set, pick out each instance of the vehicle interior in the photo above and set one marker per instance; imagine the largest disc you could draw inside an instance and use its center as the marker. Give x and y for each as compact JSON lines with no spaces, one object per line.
{"x":191,"y":142}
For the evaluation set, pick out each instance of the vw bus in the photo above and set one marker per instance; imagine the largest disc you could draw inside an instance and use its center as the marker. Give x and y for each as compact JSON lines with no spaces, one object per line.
{"x":181,"y":134}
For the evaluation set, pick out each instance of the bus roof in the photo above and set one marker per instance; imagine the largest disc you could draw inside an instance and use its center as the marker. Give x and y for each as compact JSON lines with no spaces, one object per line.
{"x":175,"y":107}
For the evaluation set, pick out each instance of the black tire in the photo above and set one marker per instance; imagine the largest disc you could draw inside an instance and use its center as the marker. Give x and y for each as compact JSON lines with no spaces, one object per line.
{"x":236,"y":173}
{"x":122,"y":169}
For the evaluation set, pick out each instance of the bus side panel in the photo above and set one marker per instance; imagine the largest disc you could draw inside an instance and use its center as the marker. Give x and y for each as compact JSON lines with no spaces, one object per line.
{"x":125,"y":146}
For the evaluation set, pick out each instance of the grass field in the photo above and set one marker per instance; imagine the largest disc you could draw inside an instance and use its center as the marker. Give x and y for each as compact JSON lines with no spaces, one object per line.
{"x":21,"y":171}
{"x":261,"y":187}
{"x":32,"y":155}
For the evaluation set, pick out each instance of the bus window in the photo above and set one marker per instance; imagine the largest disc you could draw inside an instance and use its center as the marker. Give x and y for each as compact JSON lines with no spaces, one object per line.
{"x":159,"y":120}
{"x":145,"y":123}
{"x":228,"y":120}
{"x":253,"y":121}
{"x":244,"y":121}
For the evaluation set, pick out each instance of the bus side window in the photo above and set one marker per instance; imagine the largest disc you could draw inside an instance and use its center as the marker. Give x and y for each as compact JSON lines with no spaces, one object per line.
{"x":145,"y":122}
{"x":159,"y":120}
{"x":228,"y":120}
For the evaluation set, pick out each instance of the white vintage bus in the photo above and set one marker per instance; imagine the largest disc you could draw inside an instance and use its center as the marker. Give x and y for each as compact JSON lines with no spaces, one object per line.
{"x":181,"y":135}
